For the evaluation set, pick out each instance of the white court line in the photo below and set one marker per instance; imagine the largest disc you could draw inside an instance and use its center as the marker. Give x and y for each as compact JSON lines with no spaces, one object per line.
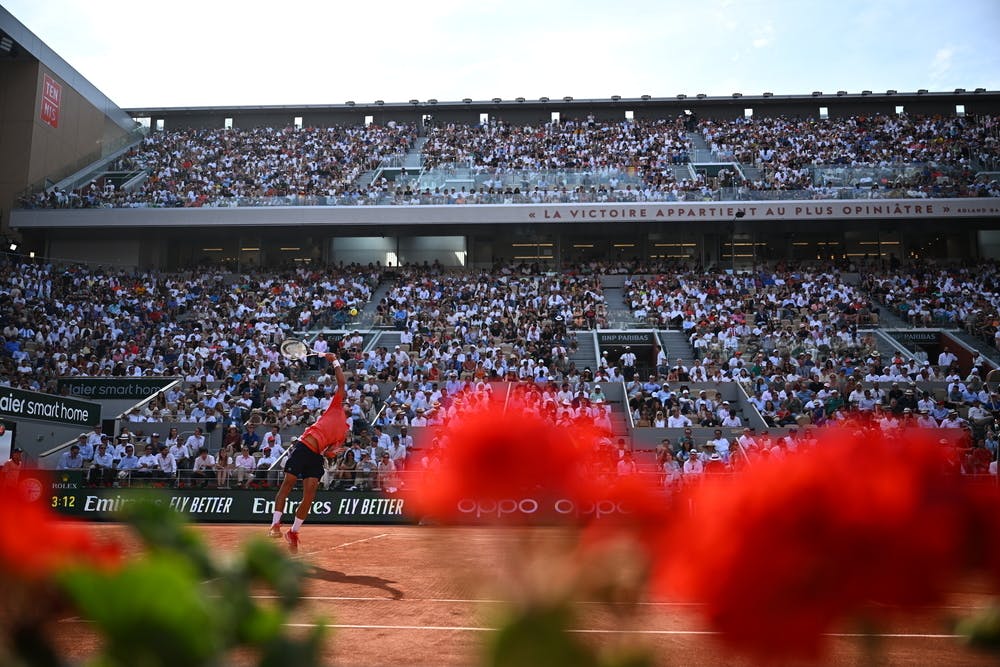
{"x":341,"y":546}
{"x":471,"y":628}
{"x":467,"y":628}
{"x":348,"y":598}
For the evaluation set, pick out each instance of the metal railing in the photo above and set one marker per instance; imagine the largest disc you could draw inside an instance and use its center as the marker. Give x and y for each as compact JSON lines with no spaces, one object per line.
{"x":105,"y":150}
{"x":582,"y":195}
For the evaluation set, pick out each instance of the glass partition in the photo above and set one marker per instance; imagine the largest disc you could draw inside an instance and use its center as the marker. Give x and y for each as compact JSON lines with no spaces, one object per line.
{"x":464,"y":186}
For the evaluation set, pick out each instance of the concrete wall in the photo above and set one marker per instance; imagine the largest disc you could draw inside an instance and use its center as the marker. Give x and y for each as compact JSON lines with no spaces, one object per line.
{"x":363,"y":249}
{"x":82,"y":133}
{"x":449,"y":250}
{"x":17,"y":92}
{"x":33,"y":150}
{"x":117,"y":252}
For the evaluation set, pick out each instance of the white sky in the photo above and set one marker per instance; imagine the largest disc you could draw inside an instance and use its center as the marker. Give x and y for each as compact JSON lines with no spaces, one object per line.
{"x":219,"y":52}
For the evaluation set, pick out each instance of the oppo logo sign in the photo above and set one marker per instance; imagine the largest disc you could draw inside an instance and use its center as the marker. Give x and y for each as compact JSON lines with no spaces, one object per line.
{"x":498,"y":508}
{"x":599,"y":509}
{"x":563,"y":507}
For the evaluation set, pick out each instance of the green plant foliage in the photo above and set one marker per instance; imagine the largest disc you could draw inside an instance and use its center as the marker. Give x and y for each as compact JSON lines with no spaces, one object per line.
{"x":151,"y":612}
{"x":178,"y":604}
{"x":982,"y":631}
{"x":540,"y":637}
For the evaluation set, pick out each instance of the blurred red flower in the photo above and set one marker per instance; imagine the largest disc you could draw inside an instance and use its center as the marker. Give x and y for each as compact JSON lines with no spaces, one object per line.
{"x":492,"y":453}
{"x":632,"y":507}
{"x":35,"y":543}
{"x":783,"y":551}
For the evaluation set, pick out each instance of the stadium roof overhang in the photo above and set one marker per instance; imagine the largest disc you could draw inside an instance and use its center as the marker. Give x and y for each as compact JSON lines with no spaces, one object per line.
{"x":957,"y":96}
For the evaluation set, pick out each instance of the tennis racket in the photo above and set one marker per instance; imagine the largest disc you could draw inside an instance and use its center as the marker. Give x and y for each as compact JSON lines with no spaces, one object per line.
{"x":296,"y":350}
{"x":992,"y":380}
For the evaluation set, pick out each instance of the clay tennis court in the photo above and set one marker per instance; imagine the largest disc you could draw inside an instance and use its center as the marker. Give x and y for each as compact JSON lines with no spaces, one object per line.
{"x":420,"y":595}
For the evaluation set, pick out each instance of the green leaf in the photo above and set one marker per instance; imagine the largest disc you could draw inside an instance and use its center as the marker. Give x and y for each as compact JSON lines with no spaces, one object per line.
{"x":151,"y":613}
{"x":260,"y":625}
{"x":982,"y":631}
{"x":31,"y":647}
{"x":269,"y":564}
{"x":539,"y":637}
{"x":164,"y":529}
{"x":285,"y":651}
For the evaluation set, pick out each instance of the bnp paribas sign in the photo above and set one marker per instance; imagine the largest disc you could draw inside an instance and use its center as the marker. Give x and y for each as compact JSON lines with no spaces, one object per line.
{"x":23,"y":404}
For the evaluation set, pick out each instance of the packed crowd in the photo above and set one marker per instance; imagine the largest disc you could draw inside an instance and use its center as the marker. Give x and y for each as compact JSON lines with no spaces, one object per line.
{"x":931,"y":296}
{"x":510,"y":302}
{"x":692,"y":300}
{"x":392,"y":193}
{"x":201,"y":326}
{"x":790,"y":337}
{"x":785,"y":149}
{"x":558,"y":162}
{"x":219,"y":333}
{"x":204,"y":167}
{"x":257,"y":427}
{"x":686,"y":461}
{"x":644,"y":147}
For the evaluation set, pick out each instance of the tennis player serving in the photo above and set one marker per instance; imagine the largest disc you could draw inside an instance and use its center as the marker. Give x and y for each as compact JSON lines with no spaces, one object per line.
{"x":305,"y":461}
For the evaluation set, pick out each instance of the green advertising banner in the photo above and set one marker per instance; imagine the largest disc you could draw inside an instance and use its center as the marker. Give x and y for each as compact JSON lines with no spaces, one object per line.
{"x":113,"y":388}
{"x":68,"y":495}
{"x":227,"y":506}
{"x":19,"y":403}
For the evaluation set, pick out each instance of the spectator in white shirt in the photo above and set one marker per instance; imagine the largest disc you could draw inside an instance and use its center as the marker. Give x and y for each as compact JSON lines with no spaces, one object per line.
{"x":626,"y":465}
{"x":732,"y":420}
{"x":166,"y":465}
{"x":203,"y":468}
{"x":272,"y":439}
{"x":264,"y":463}
{"x":693,"y":466}
{"x":147,"y":465}
{"x":721,"y":445}
{"x":244,"y":467}
{"x":677,"y":420}
{"x":952,"y":420}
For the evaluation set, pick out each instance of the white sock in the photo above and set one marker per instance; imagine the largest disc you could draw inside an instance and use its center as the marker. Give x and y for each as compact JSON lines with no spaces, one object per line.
{"x":277,"y":519}
{"x":297,"y":524}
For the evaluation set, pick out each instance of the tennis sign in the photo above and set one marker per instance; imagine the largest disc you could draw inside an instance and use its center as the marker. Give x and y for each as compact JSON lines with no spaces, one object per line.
{"x":19,"y":403}
{"x":51,"y":101}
